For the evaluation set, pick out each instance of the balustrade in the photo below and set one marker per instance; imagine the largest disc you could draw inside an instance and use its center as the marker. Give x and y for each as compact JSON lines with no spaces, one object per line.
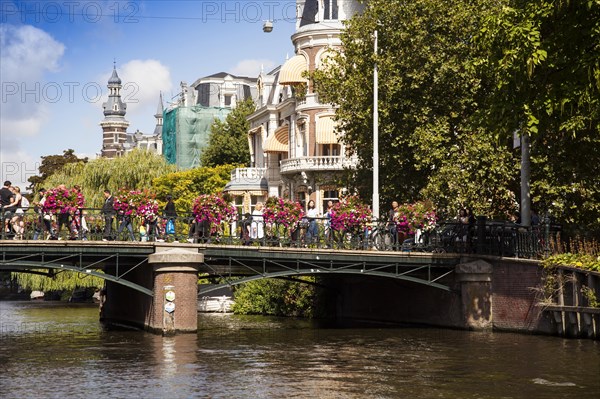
{"x":317,"y":163}
{"x":248,"y":173}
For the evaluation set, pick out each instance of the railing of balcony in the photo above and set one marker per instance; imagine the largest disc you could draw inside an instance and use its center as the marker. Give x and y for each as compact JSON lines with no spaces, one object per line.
{"x":248,"y":173}
{"x":317,"y":163}
{"x":310,"y":100}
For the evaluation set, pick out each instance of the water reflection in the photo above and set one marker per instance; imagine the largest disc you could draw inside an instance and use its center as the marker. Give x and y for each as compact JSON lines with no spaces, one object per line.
{"x":57,"y":351}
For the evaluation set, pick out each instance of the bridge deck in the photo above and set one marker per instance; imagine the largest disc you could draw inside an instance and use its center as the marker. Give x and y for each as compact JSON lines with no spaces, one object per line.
{"x":226,"y":261}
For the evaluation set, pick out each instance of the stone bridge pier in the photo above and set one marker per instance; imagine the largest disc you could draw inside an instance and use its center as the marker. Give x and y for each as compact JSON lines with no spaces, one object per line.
{"x":172,"y":275}
{"x":475,"y":285}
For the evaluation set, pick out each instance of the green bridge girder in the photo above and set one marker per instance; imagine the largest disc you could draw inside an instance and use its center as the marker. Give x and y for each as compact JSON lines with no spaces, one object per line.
{"x":230,"y":263}
{"x":227,"y":262}
{"x":83,"y":257}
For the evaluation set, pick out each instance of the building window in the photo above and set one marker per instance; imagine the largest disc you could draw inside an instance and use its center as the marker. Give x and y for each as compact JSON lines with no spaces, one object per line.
{"x":301,"y":198}
{"x":330,"y":150}
{"x":329,"y":195}
{"x":331,"y":9}
{"x":239,"y":205}
{"x":228,"y":100}
{"x":301,"y":141}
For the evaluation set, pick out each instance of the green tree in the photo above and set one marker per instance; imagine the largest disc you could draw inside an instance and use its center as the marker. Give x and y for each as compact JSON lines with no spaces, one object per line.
{"x":543,"y":58}
{"x":186,"y":185}
{"x":228,"y":140}
{"x":135,"y":170}
{"x":51,"y":164}
{"x":428,"y":95}
{"x":62,"y":280}
{"x":275,"y":297}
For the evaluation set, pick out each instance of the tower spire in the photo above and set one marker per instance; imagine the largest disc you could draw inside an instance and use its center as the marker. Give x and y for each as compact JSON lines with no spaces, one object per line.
{"x":114,"y":125}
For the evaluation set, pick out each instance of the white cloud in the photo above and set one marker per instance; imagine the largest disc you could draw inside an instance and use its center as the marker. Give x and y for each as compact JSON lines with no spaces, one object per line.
{"x":26,"y":54}
{"x":24,"y":126}
{"x":17,"y":166}
{"x":251,"y":68}
{"x":143,"y":80}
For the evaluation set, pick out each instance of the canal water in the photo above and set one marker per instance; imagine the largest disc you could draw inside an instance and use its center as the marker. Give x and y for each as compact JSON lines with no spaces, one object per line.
{"x":56,"y":350}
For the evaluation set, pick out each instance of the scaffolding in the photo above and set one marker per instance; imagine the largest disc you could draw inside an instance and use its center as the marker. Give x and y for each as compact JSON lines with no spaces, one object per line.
{"x":186,"y":131}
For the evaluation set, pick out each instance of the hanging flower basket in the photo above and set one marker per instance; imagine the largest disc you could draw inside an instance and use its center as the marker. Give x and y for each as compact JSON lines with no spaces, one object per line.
{"x":127,"y":202}
{"x":412,"y":217}
{"x":350,"y":214}
{"x":63,"y":200}
{"x":213,"y":208}
{"x":148,"y":210}
{"x":282,"y":212}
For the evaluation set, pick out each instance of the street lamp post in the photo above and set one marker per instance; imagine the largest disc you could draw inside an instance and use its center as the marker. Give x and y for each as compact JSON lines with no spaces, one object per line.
{"x":525,"y":180}
{"x":375,"y":135}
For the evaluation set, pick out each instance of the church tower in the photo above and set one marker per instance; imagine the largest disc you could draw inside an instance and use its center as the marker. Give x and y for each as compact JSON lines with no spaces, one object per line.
{"x":114,"y":126}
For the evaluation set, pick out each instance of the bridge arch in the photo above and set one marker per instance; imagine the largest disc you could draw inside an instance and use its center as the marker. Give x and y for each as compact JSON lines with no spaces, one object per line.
{"x":35,"y":268}
{"x":317,"y":271}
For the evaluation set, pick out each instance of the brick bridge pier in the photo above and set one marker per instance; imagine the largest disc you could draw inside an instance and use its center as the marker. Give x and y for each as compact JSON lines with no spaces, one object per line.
{"x":174,"y":306}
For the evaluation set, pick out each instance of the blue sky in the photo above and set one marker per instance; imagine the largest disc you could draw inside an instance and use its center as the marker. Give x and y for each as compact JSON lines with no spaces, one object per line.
{"x":56,"y":58}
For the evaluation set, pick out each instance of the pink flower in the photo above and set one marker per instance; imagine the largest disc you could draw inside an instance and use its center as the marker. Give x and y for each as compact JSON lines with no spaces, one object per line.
{"x":214,"y":209}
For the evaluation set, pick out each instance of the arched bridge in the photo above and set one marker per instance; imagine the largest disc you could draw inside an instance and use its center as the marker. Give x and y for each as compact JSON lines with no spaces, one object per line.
{"x":140,"y":274}
{"x":114,"y":261}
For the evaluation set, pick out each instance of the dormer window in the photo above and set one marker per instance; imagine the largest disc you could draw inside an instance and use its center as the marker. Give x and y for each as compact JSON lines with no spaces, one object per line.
{"x":115,"y":107}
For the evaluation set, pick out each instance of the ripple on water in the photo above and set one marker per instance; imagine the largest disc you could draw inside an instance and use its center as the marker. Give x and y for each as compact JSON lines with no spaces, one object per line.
{"x":258,"y":357}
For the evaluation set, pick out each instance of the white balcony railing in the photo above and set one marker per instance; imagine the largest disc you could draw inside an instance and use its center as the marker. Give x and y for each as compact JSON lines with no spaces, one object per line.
{"x":317,"y":163}
{"x":308,"y":102}
{"x":248,"y":174}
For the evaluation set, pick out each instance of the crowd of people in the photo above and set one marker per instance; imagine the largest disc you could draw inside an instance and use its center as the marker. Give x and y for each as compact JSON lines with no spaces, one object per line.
{"x":113,"y":223}
{"x":81,"y":223}
{"x":13,"y":206}
{"x":252,"y":225}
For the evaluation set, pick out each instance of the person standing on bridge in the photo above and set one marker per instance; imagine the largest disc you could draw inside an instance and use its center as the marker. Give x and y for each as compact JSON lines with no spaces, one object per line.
{"x":7,"y":206}
{"x":392,"y":225}
{"x":108,"y":210}
{"x":312,"y":234}
{"x":258,"y":230}
{"x":170,"y":214}
{"x":124,"y":221}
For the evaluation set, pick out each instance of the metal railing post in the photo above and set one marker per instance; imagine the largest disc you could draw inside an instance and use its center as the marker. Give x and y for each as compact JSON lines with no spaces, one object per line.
{"x":547,"y":235}
{"x":480,"y":233}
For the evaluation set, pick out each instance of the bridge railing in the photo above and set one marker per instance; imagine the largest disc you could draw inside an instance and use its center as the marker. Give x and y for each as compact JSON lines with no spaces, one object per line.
{"x":485,"y":237}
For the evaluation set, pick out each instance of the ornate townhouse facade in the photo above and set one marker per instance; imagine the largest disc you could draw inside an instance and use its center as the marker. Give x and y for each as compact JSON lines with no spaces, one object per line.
{"x":294,"y":144}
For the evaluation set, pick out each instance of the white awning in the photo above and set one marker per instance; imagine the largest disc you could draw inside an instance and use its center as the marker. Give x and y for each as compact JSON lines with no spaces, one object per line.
{"x":326,"y":130}
{"x":291,"y":71}
{"x":278,"y":142}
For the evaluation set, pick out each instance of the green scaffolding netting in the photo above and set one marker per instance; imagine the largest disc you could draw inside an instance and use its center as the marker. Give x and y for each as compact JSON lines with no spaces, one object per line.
{"x":186,"y":131}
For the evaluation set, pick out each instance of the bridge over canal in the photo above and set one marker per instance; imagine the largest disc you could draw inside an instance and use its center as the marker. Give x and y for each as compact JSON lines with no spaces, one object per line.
{"x":154,"y":285}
